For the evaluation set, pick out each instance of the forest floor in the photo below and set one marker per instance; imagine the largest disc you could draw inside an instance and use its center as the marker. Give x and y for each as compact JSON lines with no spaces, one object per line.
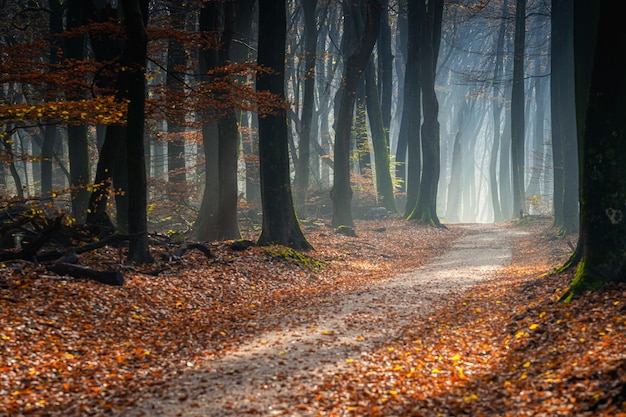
{"x":401,"y":320}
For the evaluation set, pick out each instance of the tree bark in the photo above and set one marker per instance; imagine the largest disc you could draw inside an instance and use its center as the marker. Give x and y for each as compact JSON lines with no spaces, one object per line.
{"x":600,"y":39}
{"x":517,"y":110}
{"x":78,"y":144}
{"x":563,"y":107}
{"x":411,"y":115}
{"x":308,"y":104}
{"x":280,"y":224}
{"x":135,"y":56}
{"x":425,"y":210}
{"x":176,"y":59}
{"x":341,"y":192}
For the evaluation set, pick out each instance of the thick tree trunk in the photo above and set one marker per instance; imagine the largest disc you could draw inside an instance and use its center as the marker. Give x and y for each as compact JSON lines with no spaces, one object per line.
{"x":603,"y":144}
{"x":135,"y":55}
{"x":341,"y":193}
{"x":425,"y":210}
{"x":280,"y":224}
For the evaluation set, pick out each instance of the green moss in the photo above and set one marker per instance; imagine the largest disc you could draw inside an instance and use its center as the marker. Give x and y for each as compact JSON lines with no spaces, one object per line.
{"x":585,"y":280}
{"x":293,"y":256}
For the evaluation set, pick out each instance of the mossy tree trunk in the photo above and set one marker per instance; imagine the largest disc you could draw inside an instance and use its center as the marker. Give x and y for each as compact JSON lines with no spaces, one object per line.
{"x":602,"y":144}
{"x":280,"y":224}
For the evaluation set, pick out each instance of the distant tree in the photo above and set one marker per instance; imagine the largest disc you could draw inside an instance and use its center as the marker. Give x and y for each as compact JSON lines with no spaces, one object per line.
{"x":517,"y":110}
{"x":409,"y":136}
{"x":341,"y":192}
{"x":78,"y":143}
{"x":175,"y":78}
{"x":217,"y":218}
{"x":280,"y":224}
{"x":563,"y":109}
{"x":308,"y":103}
{"x":496,"y":108}
{"x":600,"y":54}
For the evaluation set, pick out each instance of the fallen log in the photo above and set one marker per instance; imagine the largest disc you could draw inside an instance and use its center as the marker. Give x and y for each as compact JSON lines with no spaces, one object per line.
{"x":105,"y":277}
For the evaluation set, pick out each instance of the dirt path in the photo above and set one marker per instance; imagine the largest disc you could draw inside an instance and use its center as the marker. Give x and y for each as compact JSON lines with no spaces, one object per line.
{"x":266,"y":376}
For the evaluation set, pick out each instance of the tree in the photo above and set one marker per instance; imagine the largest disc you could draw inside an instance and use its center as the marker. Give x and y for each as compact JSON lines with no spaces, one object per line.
{"x":341,"y":192}
{"x":496,"y":106}
{"x":600,"y":55}
{"x":280,"y":224}
{"x":217,"y":218}
{"x":409,"y":138}
{"x":425,"y":210}
{"x":563,"y":108}
{"x":517,"y":109}
{"x":308,"y":104}
{"x":134,"y":59}
{"x":176,"y":60}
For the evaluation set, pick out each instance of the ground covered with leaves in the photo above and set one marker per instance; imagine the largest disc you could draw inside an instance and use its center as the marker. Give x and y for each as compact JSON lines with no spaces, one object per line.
{"x":73,"y":347}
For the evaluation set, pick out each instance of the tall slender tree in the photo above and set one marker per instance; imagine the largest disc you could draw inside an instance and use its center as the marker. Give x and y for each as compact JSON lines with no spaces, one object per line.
{"x":517,"y":110}
{"x":134,"y":58}
{"x":308,"y":104}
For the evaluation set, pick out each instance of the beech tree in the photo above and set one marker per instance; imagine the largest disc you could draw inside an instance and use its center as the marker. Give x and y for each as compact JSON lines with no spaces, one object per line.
{"x":280,"y":224}
{"x":517,"y":110}
{"x":354,"y":66}
{"x":600,"y":54}
{"x":134,"y":59}
{"x":563,"y":108}
{"x":425,"y":210}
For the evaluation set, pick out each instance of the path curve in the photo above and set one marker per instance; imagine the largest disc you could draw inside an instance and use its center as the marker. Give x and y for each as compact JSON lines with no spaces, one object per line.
{"x":266,"y":375}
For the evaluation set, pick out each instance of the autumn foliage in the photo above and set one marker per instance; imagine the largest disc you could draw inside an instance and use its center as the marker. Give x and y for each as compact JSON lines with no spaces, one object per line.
{"x":506,"y":348}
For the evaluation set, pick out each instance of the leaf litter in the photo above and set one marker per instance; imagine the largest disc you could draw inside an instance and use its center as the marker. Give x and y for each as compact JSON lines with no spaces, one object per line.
{"x":505,"y":348}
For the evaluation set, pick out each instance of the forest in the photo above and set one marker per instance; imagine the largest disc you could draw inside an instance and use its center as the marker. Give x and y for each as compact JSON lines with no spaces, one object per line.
{"x":180,"y":179}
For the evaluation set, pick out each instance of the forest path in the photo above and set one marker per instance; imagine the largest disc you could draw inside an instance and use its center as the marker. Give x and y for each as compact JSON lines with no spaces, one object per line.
{"x":269,"y":374}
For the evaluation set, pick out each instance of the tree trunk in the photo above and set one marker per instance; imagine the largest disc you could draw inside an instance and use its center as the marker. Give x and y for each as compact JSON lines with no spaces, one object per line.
{"x":411,"y":115}
{"x":78,"y":144}
{"x":563,"y":106}
{"x":228,"y":150}
{"x":380,"y":142}
{"x":603,"y":144}
{"x":496,"y":106}
{"x":308,"y":104}
{"x":280,"y":224}
{"x":341,"y":193}
{"x":425,"y":210}
{"x":134,"y":56}
{"x":385,"y":69}
{"x":176,"y":59}
{"x":517,"y":110}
